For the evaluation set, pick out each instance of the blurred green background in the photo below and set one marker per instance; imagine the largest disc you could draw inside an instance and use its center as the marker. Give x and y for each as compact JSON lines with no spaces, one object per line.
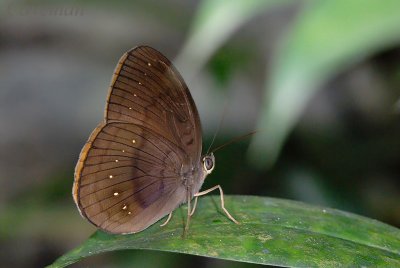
{"x":319,"y":80}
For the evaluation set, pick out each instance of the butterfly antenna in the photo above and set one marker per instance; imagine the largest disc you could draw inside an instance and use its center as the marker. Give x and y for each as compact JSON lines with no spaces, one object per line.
{"x":219,"y":126}
{"x":234,"y":140}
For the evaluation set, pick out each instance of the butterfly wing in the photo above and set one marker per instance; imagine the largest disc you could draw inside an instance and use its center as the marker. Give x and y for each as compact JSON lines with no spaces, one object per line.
{"x":126,"y":176}
{"x":147,"y":90}
{"x":129,"y":172}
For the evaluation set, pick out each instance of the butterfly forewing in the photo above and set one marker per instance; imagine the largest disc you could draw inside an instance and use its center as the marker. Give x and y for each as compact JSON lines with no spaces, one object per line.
{"x":147,"y":90}
{"x":129,"y":172}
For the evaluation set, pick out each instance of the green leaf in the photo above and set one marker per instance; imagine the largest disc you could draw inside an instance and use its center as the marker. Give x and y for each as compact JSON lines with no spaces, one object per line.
{"x":272,"y":231}
{"x":327,"y":38}
{"x":215,"y":22}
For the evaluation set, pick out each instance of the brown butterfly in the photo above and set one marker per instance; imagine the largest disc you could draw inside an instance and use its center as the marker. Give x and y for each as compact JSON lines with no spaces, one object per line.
{"x":144,"y":159}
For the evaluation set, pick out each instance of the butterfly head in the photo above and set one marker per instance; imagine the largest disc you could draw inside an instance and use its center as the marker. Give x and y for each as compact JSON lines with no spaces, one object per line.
{"x":208,"y":163}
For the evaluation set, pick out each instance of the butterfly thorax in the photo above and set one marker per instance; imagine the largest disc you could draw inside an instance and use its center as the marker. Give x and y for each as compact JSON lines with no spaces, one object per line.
{"x":193,"y":174}
{"x":192,"y":177}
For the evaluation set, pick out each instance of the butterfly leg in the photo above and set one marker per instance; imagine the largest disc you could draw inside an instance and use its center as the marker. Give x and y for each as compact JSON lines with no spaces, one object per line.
{"x":222,"y":200}
{"x":188,"y":213}
{"x":169,"y":217}
{"x":194,"y":206}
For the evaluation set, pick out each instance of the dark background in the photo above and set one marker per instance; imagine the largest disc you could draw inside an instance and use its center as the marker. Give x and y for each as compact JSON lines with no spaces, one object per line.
{"x":55,"y":70}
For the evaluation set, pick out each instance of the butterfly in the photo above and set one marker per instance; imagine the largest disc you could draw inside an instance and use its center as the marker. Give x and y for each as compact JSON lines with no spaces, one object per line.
{"x":144,"y":160}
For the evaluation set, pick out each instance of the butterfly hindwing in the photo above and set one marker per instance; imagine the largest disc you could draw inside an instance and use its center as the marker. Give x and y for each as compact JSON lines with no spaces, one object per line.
{"x":124,"y":169}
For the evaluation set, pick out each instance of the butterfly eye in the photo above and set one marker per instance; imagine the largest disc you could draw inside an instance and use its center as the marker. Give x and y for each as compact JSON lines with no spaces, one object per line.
{"x":208,"y":164}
